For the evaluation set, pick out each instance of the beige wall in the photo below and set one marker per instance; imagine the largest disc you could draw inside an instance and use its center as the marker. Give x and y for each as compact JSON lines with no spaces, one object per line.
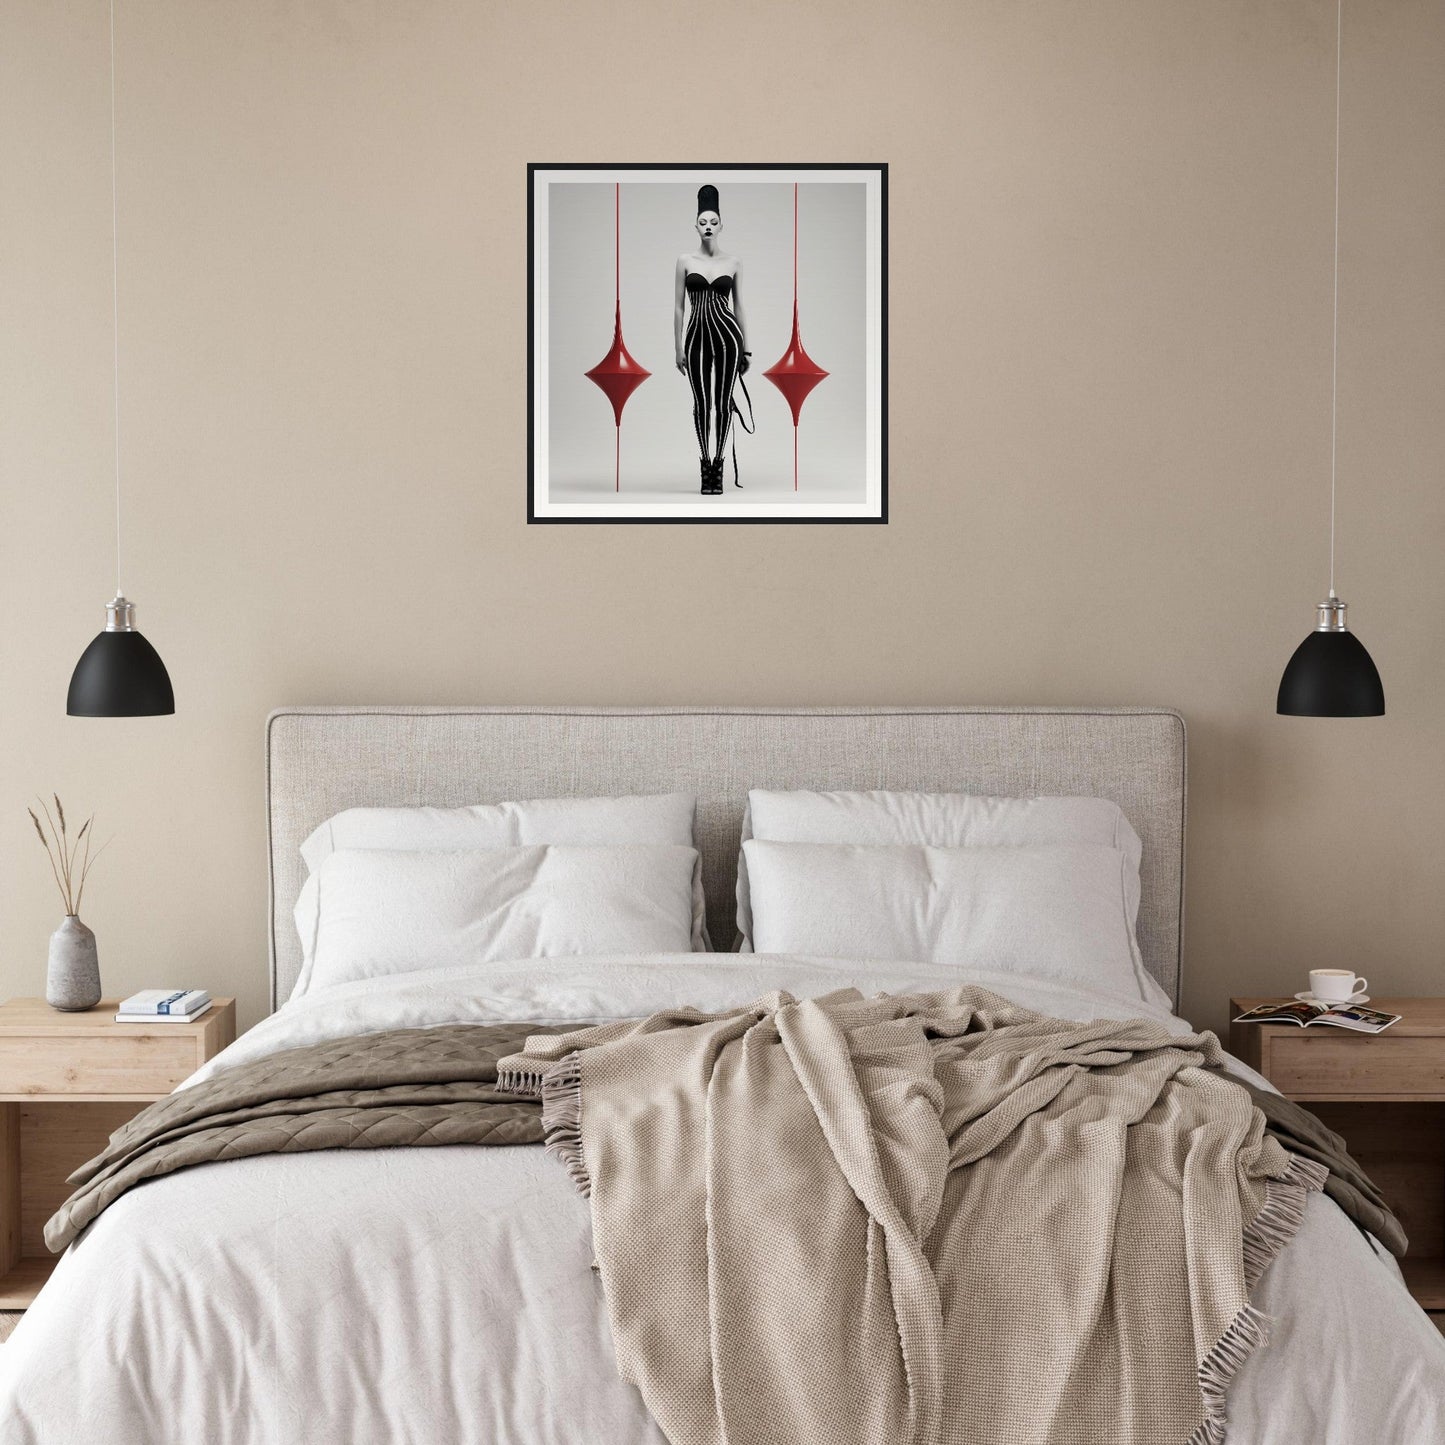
{"x":1110,"y":269}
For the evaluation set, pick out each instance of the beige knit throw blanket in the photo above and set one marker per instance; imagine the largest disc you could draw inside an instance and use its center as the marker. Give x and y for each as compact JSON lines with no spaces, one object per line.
{"x":916,"y":1219}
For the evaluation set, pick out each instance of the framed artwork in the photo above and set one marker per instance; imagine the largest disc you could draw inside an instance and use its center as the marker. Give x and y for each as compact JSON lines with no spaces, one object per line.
{"x":707,"y":343}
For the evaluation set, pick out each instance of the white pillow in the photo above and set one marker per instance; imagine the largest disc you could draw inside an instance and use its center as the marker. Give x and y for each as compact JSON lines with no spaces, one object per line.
{"x":647,"y":818}
{"x":386,"y":911}
{"x":658,"y":818}
{"x":1055,"y":911}
{"x":939,"y":820}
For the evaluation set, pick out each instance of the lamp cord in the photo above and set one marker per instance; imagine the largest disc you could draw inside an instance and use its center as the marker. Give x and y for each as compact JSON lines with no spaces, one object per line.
{"x":1335,"y":336}
{"x":115,"y":297}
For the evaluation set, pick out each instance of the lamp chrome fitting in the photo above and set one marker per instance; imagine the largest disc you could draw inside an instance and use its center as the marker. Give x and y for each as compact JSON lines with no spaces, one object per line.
{"x":1332,"y":616}
{"x":120,"y":615}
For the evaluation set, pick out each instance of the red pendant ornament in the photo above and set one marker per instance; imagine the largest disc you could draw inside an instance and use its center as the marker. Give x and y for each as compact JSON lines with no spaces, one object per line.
{"x":796,"y":374}
{"x":618,"y":374}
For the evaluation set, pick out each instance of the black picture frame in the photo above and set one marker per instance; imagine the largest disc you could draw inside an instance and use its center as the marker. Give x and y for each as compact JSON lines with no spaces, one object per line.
{"x":718,"y":518}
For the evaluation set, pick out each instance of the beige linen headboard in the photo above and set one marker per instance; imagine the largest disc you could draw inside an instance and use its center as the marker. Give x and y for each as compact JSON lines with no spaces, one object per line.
{"x":322,"y":759}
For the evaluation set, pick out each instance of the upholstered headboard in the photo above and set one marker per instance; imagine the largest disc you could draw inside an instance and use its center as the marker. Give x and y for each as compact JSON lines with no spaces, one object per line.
{"x":322,"y":759}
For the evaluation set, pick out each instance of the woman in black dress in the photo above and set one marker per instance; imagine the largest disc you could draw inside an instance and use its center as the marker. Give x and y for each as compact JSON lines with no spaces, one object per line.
{"x":711,"y":339}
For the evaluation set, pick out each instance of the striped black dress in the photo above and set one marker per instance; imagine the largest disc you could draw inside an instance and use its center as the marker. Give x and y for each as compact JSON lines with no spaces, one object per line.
{"x":713,"y":348}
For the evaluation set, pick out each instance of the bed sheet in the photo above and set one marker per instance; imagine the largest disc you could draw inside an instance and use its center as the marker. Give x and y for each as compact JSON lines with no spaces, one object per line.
{"x":445,"y":1296}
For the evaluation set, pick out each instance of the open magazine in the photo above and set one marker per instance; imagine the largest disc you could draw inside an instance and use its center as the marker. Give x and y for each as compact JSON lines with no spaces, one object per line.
{"x":1341,"y":1015}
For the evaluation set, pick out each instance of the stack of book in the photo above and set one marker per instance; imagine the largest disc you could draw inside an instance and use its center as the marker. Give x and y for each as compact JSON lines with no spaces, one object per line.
{"x":163,"y":1006}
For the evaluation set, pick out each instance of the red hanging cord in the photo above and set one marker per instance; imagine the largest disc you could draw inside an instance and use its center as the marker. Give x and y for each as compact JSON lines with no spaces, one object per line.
{"x":795,"y":374}
{"x":618,"y":374}
{"x":617,"y":296}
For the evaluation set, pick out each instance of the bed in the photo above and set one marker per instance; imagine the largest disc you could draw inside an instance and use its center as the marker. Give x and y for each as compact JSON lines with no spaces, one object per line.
{"x":445,"y":1295}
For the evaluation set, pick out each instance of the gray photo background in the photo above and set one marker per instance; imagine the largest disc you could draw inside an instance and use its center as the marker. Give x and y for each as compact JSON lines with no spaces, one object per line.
{"x":659,"y":447}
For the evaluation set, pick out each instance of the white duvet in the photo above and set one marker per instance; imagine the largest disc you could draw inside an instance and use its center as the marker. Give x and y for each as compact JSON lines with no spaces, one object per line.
{"x":445,"y":1296}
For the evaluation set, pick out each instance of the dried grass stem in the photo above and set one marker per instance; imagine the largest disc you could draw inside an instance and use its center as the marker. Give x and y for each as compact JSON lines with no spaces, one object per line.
{"x":68,"y":864}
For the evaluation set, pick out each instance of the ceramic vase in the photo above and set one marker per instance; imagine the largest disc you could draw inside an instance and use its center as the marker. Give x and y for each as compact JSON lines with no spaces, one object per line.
{"x":72,"y":980}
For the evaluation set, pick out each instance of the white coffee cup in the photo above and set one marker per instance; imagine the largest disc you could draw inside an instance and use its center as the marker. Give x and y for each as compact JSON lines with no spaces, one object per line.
{"x":1337,"y":985}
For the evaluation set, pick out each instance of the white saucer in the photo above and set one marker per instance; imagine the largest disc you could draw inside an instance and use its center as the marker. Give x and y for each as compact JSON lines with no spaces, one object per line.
{"x":1333,"y":1002}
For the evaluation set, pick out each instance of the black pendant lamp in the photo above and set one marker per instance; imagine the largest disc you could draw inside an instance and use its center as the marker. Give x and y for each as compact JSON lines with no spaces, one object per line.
{"x":1331,"y":674}
{"x":120,"y":674}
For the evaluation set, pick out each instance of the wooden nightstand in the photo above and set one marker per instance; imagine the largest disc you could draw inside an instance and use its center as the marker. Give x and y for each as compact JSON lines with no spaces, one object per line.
{"x":1385,"y":1093}
{"x":67,"y":1081}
